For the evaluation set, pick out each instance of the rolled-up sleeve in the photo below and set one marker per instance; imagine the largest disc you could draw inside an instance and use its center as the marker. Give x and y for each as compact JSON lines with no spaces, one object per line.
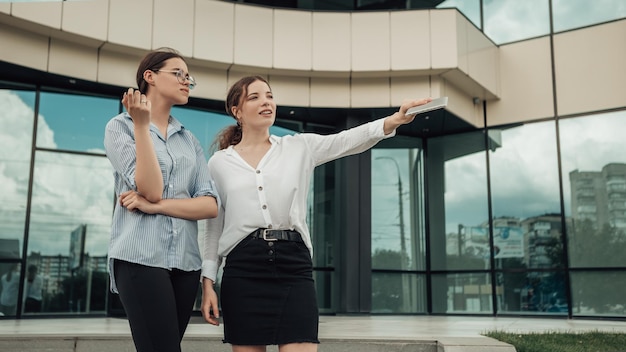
{"x":119,"y":144}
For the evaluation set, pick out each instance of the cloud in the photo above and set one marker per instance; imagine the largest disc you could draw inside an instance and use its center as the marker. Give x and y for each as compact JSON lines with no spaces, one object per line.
{"x":68,"y":189}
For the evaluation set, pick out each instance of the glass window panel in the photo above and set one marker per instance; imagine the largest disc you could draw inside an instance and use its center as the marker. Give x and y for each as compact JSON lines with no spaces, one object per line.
{"x":525,"y":196}
{"x":203,"y":124}
{"x":323,"y":210}
{"x":569,"y":14}
{"x":74,"y":122}
{"x":325,"y":286}
{"x":511,"y":20}
{"x":207,"y":125}
{"x":532,"y":293}
{"x":457,"y":201}
{"x":397,"y":220}
{"x":594,"y":187}
{"x":15,"y":150}
{"x":398,"y":293}
{"x":462,"y":293}
{"x":70,"y":221}
{"x":470,"y":8}
{"x":598,"y":293}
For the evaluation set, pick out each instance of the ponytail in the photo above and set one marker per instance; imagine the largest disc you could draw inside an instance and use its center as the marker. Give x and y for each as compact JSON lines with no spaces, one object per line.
{"x":230,"y":135}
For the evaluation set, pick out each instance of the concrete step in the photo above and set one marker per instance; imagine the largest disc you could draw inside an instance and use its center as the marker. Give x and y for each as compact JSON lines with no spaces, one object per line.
{"x":123,"y":343}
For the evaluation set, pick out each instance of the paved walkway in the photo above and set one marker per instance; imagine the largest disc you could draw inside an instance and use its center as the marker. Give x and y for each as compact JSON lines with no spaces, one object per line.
{"x":332,"y":327}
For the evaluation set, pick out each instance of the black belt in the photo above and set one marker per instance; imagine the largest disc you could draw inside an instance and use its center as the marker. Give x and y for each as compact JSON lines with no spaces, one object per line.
{"x":277,"y":235}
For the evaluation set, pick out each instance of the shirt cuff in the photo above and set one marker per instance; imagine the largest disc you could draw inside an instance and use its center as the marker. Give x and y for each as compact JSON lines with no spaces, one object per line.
{"x":209,"y":269}
{"x":377,"y":128}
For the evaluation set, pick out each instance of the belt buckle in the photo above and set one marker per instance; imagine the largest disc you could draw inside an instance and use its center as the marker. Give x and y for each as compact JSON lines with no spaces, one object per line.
{"x":267,"y":232}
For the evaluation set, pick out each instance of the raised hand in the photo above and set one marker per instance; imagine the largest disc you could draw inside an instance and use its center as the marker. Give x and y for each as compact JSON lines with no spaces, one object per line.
{"x":138,"y":107}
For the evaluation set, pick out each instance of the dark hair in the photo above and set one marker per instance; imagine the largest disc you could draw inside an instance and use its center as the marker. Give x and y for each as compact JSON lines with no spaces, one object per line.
{"x":154,"y":60}
{"x":231,"y":135}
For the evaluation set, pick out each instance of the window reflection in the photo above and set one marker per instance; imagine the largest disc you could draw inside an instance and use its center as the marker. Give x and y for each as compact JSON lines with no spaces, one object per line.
{"x":9,"y":288}
{"x":74,"y":122}
{"x":470,"y":8}
{"x":533,"y":293}
{"x":463,"y":293}
{"x":569,"y":14}
{"x":398,"y":293}
{"x":457,"y":202}
{"x":397,"y":239}
{"x":525,"y":197}
{"x":511,"y":20}
{"x":598,"y":293}
{"x":322,"y":212}
{"x":397,"y":230}
{"x":204,"y":125}
{"x":69,"y":230}
{"x":594,"y":184}
{"x":15,"y":150}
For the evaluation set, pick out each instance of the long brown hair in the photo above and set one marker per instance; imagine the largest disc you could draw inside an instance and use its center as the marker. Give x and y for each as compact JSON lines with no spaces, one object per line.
{"x":231,"y":135}
{"x":154,"y":61}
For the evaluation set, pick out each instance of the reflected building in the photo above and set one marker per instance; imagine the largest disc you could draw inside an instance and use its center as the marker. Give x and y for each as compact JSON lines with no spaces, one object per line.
{"x":542,"y":238}
{"x":600,"y":196}
{"x":58,"y":279}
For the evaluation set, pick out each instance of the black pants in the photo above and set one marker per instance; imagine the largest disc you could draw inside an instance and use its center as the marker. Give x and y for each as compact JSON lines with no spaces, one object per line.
{"x":32,"y":305}
{"x":158,"y":303}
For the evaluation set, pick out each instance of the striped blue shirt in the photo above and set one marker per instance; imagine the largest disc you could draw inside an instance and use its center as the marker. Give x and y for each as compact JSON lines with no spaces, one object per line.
{"x":153,"y":239}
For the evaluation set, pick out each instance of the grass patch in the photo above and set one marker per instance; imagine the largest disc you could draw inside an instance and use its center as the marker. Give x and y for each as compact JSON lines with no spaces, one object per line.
{"x":593,"y":341}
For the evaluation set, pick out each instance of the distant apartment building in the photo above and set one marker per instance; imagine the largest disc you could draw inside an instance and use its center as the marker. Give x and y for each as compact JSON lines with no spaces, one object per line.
{"x":600,"y":196}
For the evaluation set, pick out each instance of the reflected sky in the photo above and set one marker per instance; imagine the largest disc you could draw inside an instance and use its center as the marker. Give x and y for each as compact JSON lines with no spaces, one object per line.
{"x":390,"y":183}
{"x":506,"y":21}
{"x":511,"y":20}
{"x":569,"y":14}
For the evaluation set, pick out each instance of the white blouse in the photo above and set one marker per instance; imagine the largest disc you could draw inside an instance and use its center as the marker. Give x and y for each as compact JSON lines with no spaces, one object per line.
{"x":274,"y":195}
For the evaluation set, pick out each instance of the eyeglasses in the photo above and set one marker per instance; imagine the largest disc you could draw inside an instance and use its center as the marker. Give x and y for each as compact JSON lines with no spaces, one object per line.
{"x":182,"y":77}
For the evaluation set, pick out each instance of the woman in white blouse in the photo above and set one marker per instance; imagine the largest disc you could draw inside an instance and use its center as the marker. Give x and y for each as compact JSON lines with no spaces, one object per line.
{"x":267,"y":291}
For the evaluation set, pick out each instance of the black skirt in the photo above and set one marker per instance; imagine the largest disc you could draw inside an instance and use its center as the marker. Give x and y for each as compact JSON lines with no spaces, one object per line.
{"x":268,"y":295}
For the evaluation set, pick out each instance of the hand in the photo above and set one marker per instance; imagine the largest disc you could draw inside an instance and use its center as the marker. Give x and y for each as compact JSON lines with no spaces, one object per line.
{"x":399,"y":118}
{"x":138,"y":107}
{"x":406,"y":105}
{"x":209,"y":308}
{"x":134,"y":201}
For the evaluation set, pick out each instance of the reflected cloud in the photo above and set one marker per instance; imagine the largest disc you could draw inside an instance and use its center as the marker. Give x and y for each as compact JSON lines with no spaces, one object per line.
{"x":511,"y":20}
{"x":68,"y":189}
{"x":569,"y":14}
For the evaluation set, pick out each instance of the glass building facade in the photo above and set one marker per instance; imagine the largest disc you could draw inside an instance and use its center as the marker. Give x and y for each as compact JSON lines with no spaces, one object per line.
{"x":524,"y":218}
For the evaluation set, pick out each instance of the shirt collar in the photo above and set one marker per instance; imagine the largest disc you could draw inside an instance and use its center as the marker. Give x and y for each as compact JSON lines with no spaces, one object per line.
{"x":273,"y":139}
{"x":176,"y":125}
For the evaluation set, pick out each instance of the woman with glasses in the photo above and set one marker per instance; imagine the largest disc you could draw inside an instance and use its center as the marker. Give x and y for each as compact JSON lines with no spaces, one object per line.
{"x":164,"y":188}
{"x":267,"y":292}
